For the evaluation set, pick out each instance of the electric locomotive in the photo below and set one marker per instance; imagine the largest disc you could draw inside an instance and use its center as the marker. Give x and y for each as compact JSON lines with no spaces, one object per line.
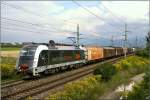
{"x":37,"y":58}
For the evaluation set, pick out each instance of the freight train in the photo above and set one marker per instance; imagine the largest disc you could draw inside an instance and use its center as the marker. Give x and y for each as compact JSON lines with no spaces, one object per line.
{"x":41,"y":58}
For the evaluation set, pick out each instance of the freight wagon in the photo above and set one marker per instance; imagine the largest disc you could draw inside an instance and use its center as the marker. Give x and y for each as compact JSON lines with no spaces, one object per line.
{"x":119,"y":51}
{"x":95,"y":53}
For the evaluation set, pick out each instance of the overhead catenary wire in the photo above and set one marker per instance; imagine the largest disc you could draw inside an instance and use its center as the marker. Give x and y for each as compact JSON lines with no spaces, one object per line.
{"x":57,"y":29}
{"x":90,"y":12}
{"x":16,"y":25}
{"x":27,"y":11}
{"x":13,"y":29}
{"x":113,"y":14}
{"x":33,"y":24}
{"x":16,"y":29}
{"x":33,"y":13}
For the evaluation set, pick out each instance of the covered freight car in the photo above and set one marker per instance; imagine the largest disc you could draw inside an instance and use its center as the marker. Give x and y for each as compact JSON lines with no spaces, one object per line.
{"x":119,"y":51}
{"x":109,"y":52}
{"x":95,"y":53}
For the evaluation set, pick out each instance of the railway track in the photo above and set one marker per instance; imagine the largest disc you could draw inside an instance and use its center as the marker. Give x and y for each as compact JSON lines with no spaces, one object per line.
{"x":13,"y":83}
{"x":49,"y":83}
{"x":8,"y":82}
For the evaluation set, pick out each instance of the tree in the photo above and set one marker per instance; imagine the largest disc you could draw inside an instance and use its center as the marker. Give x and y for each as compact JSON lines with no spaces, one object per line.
{"x":148,"y":41}
{"x":141,"y":91}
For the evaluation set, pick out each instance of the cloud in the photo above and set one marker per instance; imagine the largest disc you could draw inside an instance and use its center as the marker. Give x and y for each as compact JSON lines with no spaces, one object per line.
{"x":130,"y":10}
{"x":55,"y":16}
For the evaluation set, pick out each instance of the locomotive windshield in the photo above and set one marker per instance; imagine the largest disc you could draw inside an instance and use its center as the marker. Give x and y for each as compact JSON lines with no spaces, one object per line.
{"x":28,"y":51}
{"x":27,"y":55}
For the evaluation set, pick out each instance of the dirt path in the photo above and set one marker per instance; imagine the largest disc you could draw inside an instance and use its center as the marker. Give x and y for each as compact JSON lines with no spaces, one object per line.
{"x":114,"y":95}
{"x":138,"y":78}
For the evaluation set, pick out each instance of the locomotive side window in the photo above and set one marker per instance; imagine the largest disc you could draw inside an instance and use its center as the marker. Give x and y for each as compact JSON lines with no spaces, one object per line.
{"x":54,"y":57}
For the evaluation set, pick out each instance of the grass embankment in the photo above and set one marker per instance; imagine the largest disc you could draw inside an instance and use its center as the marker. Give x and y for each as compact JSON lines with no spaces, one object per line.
{"x":10,"y":51}
{"x":8,"y":69}
{"x":92,"y":87}
{"x":10,"y":48}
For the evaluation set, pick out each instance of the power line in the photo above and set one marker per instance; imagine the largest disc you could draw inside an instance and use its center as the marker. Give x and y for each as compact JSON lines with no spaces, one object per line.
{"x":20,"y":21}
{"x":22,"y":30}
{"x":27,"y":11}
{"x":100,"y":18}
{"x":27,"y":28}
{"x":111,"y":13}
{"x":16,"y":29}
{"x":21,"y":8}
{"x":31,"y":12}
{"x":38,"y":25}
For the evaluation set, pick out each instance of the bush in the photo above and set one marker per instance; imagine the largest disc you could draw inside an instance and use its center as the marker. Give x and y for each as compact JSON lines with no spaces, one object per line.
{"x":8,"y":67}
{"x":141,"y":91}
{"x":133,"y":64}
{"x":143,"y":53}
{"x":86,"y":89}
{"x":107,"y":70}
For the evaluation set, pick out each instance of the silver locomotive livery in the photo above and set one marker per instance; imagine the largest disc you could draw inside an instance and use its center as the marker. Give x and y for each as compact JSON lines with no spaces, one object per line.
{"x":37,"y":58}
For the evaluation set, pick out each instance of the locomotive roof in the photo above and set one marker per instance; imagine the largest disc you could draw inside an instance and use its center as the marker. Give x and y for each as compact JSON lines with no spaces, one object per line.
{"x":53,"y":48}
{"x":66,"y":48}
{"x":57,"y":44}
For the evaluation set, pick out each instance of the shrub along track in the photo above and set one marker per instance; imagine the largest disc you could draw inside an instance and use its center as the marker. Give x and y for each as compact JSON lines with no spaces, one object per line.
{"x":38,"y":86}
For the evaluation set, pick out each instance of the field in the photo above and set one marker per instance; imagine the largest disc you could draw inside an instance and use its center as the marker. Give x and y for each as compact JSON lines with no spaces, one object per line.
{"x":10,"y":52}
{"x":8,"y":61}
{"x":10,"y":49}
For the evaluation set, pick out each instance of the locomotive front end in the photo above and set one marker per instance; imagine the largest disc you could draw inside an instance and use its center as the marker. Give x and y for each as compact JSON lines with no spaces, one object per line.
{"x":26,"y":59}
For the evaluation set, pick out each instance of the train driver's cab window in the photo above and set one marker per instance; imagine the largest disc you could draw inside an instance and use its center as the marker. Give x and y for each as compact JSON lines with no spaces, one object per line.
{"x":28,"y":51}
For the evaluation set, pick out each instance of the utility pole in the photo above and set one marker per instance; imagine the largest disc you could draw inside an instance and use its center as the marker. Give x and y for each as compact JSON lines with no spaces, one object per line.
{"x":125,"y":41}
{"x":136,"y":41}
{"x":112,"y":40}
{"x":77,"y":40}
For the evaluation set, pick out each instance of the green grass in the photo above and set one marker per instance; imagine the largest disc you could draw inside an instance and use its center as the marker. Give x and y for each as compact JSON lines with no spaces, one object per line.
{"x":10,"y":49}
{"x":8,"y":71}
{"x":126,"y":69}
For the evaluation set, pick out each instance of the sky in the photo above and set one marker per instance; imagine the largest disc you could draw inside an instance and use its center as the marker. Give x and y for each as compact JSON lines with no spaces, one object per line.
{"x":99,"y":21}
